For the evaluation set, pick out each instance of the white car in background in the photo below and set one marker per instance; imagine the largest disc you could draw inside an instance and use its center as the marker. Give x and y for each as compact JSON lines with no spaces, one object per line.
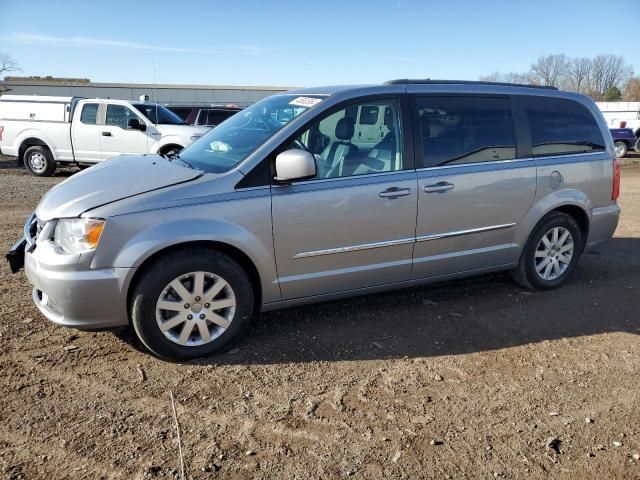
{"x":43,"y":131}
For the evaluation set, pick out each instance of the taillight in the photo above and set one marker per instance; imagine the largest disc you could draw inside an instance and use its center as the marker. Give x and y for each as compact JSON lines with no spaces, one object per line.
{"x":616,"y":180}
{"x":1,"y":130}
{"x":623,"y":124}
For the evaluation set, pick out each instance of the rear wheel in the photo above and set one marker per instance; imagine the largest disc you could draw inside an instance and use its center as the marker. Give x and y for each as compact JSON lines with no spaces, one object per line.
{"x":620,"y":149}
{"x":39,"y":161}
{"x":551,"y":253}
{"x":191,"y":304}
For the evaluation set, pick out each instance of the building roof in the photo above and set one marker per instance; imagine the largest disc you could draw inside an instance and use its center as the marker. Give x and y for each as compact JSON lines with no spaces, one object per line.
{"x":70,"y":82}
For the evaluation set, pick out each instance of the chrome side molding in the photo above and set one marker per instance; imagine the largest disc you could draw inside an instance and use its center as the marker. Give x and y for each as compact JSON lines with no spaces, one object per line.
{"x":401,"y":241}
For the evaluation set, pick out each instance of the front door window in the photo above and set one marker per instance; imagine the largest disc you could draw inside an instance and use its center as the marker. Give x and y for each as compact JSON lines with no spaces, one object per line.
{"x":342,"y":147}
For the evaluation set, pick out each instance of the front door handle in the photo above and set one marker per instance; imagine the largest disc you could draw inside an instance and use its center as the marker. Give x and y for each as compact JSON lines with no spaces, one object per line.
{"x":106,"y":134}
{"x":439,"y":187}
{"x":395,"y":192}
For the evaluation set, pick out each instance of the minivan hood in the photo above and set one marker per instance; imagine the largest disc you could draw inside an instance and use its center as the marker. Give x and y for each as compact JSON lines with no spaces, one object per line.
{"x":121,"y":177}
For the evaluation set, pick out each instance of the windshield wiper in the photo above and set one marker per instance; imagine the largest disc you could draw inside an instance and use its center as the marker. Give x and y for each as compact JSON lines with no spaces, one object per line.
{"x":171,"y":156}
{"x":178,"y":157}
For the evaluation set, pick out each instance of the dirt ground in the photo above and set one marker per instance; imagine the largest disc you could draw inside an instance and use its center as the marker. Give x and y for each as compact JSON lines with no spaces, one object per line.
{"x":467,"y":379}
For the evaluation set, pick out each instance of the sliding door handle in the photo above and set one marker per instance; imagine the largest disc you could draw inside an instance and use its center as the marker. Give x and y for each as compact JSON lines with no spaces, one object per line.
{"x":439,"y":187}
{"x":106,"y":134}
{"x":395,"y":192}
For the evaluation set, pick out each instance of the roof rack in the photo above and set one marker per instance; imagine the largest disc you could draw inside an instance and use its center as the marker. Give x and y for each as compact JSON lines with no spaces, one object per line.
{"x":428,"y":81}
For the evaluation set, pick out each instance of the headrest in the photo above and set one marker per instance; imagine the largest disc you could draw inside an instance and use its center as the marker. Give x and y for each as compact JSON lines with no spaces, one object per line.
{"x":388,"y":119}
{"x":345,"y":128}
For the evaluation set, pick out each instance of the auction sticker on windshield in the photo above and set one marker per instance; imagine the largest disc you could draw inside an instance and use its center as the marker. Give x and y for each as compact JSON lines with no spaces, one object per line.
{"x":305,"y":102}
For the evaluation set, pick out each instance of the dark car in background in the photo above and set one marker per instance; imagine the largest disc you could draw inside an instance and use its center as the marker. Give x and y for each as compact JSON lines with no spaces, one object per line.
{"x":206,"y":116}
{"x":624,"y":140}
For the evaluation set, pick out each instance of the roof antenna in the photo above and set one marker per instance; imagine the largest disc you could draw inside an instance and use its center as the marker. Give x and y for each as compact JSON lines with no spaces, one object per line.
{"x":155,"y":89}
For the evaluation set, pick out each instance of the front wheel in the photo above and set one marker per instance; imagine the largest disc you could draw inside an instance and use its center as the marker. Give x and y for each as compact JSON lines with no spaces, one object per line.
{"x":620,"y":149}
{"x":551,"y":253}
{"x":39,"y":161}
{"x":191,"y":304}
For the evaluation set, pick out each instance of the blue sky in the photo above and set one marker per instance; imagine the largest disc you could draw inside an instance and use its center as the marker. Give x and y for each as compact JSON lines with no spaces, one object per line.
{"x":306,"y":43}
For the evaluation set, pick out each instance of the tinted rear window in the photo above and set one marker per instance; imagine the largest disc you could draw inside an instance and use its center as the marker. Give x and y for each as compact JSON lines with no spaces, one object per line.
{"x":466,"y":129}
{"x":559,"y":127}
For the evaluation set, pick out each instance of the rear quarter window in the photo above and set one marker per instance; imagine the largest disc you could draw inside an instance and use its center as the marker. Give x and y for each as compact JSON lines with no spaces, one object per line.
{"x":561,"y":127}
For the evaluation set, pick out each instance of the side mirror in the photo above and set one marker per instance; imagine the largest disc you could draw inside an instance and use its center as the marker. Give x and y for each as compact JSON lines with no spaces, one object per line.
{"x":134,"y":124}
{"x":295,"y":164}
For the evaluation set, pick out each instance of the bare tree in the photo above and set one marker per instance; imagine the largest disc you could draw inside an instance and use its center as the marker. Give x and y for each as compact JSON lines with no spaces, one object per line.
{"x":578,"y":74}
{"x":593,"y":76}
{"x":8,"y":64}
{"x":608,"y":71}
{"x":550,"y":70}
{"x":632,"y":90}
{"x":511,"y":77}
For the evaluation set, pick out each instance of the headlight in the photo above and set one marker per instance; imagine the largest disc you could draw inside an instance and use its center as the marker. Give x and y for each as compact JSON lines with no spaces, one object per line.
{"x":75,"y":235}
{"x":195,"y":137}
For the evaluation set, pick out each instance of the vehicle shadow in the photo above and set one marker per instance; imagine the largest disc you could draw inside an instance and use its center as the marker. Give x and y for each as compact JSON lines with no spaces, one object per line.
{"x":483,"y":313}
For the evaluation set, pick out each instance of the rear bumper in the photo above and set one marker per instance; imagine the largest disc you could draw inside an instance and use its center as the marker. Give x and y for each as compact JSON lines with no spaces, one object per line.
{"x":604,"y":221}
{"x":85,"y":299}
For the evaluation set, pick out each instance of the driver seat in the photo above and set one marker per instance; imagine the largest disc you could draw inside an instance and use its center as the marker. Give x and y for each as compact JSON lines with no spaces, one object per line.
{"x":333,"y":156}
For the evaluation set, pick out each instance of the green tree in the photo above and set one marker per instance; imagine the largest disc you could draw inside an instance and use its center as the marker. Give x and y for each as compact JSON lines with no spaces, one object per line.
{"x":613,"y":94}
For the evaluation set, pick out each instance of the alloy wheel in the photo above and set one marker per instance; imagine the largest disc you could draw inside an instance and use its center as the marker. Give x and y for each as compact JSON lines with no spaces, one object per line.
{"x":553,"y":253}
{"x":195,"y":309}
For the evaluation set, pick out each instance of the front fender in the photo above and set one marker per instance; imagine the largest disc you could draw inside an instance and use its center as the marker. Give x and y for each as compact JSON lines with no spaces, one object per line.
{"x":170,"y":140}
{"x":129,"y":240}
{"x":548,"y":203}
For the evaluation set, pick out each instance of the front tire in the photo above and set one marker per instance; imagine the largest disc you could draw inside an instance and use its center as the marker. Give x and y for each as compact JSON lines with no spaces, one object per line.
{"x":551,"y":253}
{"x":39,"y":161}
{"x":171,"y":150}
{"x":191,"y":304}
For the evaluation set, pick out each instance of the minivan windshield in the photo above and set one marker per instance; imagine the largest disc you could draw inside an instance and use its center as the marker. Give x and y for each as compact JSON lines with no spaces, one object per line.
{"x":159,"y":115}
{"x":226,"y":145}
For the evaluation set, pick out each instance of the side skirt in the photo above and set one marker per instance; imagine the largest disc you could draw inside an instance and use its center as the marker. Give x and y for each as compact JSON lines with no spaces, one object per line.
{"x":325,"y":297}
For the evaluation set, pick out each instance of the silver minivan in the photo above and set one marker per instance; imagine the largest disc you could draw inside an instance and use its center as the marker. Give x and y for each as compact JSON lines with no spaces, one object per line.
{"x":323,"y":193}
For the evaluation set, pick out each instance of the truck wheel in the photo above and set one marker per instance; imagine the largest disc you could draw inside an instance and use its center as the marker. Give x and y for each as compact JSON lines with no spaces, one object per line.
{"x":171,"y":150}
{"x":191,"y":304}
{"x":39,"y":161}
{"x":550,"y":254}
{"x":620,"y":149}
{"x":637,"y":147}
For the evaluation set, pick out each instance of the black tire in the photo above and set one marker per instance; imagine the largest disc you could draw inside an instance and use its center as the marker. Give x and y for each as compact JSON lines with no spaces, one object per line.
{"x":637,"y":147}
{"x":621,"y":149}
{"x":157,"y":277}
{"x":525,"y":274}
{"x":39,"y":161}
{"x":171,"y":150}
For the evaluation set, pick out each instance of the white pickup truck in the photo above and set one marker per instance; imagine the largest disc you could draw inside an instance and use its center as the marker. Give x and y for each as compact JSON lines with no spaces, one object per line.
{"x":44,"y":131}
